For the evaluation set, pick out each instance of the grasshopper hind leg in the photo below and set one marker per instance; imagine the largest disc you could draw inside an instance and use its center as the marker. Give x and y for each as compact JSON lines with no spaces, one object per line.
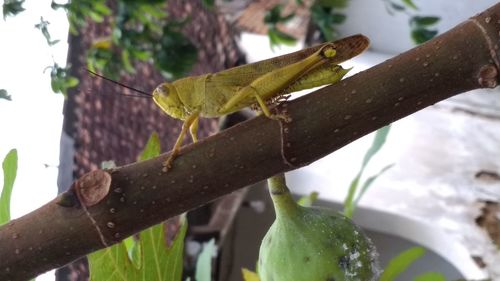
{"x":191,"y":124}
{"x":324,"y":75}
{"x":267,"y":112}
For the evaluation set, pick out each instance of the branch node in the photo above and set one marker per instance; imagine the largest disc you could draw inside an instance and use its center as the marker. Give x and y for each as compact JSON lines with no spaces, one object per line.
{"x":488,"y":76}
{"x":491,"y":46}
{"x":92,"y":187}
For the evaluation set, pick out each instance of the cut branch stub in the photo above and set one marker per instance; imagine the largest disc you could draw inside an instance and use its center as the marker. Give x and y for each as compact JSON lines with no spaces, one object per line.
{"x":92,"y":187}
{"x":488,"y":76}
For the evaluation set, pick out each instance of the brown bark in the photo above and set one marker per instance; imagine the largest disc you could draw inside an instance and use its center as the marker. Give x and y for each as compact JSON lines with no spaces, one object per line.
{"x":465,"y":58}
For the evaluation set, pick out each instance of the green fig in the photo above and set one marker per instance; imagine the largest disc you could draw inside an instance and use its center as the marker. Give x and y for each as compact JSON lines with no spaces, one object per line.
{"x":313,"y":244}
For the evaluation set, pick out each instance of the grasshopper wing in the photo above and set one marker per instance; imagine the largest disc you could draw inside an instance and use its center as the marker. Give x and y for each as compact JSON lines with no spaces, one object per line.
{"x":241,"y":76}
{"x":221,"y":86}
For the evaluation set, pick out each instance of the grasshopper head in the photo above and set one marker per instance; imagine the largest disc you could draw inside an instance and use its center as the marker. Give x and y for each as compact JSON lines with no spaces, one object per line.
{"x":167,"y":98}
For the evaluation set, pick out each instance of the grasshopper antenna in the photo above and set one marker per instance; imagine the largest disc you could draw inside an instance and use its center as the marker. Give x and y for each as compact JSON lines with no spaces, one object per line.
{"x":142,"y":94}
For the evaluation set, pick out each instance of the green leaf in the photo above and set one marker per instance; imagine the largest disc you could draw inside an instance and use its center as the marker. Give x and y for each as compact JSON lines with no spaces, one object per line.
{"x":378,"y":142}
{"x":134,"y":250}
{"x":400,"y":263}
{"x":9,"y":166}
{"x":4,"y":95}
{"x":424,"y":21}
{"x":277,"y":38}
{"x":349,"y":201}
{"x":368,"y":182}
{"x":410,"y":4}
{"x":158,"y":262}
{"x":421,"y":35}
{"x":147,"y":257}
{"x":204,"y":262}
{"x":12,"y":7}
{"x":152,"y":148}
{"x":430,"y":276}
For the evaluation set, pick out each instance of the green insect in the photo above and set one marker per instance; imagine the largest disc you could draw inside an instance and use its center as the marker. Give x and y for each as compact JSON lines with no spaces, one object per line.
{"x":262,"y":83}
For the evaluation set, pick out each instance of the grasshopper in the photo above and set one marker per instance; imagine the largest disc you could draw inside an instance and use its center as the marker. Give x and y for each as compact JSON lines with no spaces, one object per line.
{"x":261,"y":83}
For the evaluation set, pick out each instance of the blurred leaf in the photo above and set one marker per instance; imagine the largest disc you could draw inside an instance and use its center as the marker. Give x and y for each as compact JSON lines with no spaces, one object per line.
{"x":158,"y":262}
{"x":152,"y":148}
{"x":326,"y":18}
{"x":249,"y":275}
{"x":308,"y":200}
{"x":126,"y":61}
{"x":410,"y":4}
{"x":78,"y":12}
{"x":102,"y":44}
{"x":140,"y":31}
{"x":43,"y":26}
{"x":204,"y":262}
{"x":61,"y":81}
{"x":299,"y":2}
{"x":102,"y":58}
{"x":333,"y":3}
{"x":378,"y":142}
{"x":9,"y":166}
{"x":421,"y":35}
{"x":208,"y":3}
{"x":400,"y":263}
{"x":175,"y":55}
{"x":338,"y":18}
{"x":5,"y":95}
{"x":424,"y":21}
{"x":12,"y":7}
{"x":368,"y":182}
{"x":430,"y":276}
{"x":277,"y":38}
{"x":273,"y":16}
{"x":397,"y":7}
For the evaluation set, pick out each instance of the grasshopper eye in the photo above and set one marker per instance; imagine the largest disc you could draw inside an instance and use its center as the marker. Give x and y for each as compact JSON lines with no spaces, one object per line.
{"x":162,"y":90}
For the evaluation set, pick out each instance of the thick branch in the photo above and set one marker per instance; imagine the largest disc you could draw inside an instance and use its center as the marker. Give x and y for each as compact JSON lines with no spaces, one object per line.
{"x":141,"y":195}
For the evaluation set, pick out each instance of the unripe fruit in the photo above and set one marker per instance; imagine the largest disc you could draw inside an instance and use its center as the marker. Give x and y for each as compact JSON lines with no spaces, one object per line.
{"x":313,"y":244}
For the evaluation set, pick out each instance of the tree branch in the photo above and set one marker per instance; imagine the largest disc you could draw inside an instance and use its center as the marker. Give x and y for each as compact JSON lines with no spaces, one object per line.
{"x":141,"y":195}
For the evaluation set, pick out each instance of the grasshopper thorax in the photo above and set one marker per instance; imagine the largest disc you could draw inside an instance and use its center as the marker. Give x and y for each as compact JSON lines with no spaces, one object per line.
{"x":167,"y":98}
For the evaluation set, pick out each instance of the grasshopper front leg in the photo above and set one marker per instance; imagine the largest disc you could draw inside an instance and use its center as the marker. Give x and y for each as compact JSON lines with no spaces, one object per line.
{"x":191,"y":124}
